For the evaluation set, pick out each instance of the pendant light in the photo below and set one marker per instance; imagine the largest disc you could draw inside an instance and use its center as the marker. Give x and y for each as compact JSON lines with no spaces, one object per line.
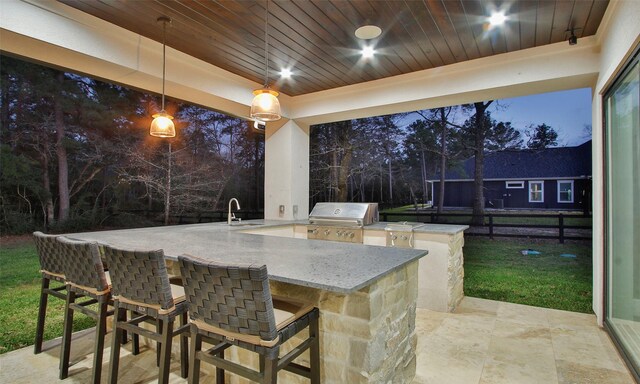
{"x":265,"y":105}
{"x":162,"y":124}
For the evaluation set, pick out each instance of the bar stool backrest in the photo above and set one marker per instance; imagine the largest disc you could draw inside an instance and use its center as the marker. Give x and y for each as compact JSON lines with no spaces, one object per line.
{"x":83,"y":266}
{"x":230,"y":297}
{"x":139,"y":276}
{"x":49,"y":253}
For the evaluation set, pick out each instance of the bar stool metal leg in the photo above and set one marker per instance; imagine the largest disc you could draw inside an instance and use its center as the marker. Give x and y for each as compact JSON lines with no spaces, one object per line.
{"x":220,"y":371}
{"x":314,"y":351}
{"x":101,"y":330}
{"x":184,"y":348}
{"x":165,"y":354}
{"x":66,"y":336}
{"x":42,"y":311}
{"x":194,"y":363}
{"x":115,"y":347}
{"x":270,"y":371}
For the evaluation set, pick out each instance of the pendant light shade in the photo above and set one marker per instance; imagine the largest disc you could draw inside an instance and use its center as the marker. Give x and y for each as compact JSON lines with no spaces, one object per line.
{"x":162,"y":124}
{"x":265,"y":105}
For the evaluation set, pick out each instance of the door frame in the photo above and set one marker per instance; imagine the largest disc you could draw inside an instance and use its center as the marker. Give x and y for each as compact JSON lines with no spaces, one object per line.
{"x":633,"y":59}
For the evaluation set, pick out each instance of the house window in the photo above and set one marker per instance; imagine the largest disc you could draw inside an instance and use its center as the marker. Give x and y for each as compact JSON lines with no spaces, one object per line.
{"x":514,"y":184}
{"x":565,"y":191}
{"x":536,"y":191}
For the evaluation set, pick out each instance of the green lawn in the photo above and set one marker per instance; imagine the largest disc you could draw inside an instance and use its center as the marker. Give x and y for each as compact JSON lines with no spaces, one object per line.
{"x":19,"y":299}
{"x":497,"y":270}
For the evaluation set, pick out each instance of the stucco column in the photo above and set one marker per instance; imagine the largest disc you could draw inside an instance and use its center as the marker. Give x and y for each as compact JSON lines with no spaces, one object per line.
{"x":286,"y":185}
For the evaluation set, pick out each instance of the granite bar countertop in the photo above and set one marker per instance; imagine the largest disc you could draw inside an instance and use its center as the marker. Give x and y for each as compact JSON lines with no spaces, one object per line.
{"x":332,"y":266}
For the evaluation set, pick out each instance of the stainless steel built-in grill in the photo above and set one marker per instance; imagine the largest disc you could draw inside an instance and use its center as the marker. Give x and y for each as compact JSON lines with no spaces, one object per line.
{"x":341,"y":221}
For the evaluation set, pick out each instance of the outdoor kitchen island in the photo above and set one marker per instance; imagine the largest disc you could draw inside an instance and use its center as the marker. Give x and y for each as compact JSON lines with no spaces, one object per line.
{"x":366,"y":294}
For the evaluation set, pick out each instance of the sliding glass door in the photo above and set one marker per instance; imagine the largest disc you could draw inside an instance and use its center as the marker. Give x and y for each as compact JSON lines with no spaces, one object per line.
{"x":622,"y":204}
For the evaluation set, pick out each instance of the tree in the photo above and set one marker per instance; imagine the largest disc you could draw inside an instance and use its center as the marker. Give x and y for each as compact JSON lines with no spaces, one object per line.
{"x":445,"y":146}
{"x":541,"y":136}
{"x":586,"y":132}
{"x":503,"y":136}
{"x":479,"y":129}
{"x":351,"y":160}
{"x":73,"y":147}
{"x":480,"y":134}
{"x":189,"y":172}
{"x":421,"y":153}
{"x":331,"y":155}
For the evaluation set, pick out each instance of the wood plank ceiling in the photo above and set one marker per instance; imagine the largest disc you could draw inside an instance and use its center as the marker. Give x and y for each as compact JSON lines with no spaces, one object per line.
{"x":315,"y":38}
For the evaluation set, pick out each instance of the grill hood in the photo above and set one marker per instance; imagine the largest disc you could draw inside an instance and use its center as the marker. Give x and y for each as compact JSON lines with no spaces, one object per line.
{"x":353,"y":214}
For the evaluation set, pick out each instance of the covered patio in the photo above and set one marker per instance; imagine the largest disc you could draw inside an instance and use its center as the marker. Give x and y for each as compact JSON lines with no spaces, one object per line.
{"x":67,"y":35}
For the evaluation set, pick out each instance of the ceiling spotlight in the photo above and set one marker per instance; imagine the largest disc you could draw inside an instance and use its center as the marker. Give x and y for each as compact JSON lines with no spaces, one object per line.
{"x":367,"y":32}
{"x":497,"y":19}
{"x":285,"y":73}
{"x":367,"y":52}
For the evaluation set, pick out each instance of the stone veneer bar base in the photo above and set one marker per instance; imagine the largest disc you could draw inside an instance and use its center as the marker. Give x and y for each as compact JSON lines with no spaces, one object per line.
{"x":366,"y":337}
{"x":441,"y":271}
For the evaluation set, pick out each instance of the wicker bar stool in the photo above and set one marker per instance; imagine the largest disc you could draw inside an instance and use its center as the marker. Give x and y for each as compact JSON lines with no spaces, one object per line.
{"x":86,"y":279}
{"x":51,"y":270}
{"x":232,"y":305}
{"x":140,"y":283}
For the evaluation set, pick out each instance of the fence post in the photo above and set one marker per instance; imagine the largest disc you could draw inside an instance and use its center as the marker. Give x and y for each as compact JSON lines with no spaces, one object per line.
{"x":491,"y":227}
{"x":561,"y":228}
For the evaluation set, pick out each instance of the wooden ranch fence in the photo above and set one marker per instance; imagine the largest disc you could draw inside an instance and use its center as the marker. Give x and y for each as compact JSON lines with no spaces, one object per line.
{"x":522,"y":225}
{"x":537,"y":226}
{"x":196,"y":217}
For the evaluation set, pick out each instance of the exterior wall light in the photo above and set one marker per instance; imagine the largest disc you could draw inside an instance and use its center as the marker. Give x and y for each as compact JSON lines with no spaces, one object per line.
{"x":573,"y":39}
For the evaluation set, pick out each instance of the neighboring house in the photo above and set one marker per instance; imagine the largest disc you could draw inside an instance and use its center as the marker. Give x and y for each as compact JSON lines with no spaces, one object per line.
{"x":551,"y":178}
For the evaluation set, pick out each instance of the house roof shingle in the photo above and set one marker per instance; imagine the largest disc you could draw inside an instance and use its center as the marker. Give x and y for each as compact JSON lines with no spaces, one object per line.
{"x":529,"y":164}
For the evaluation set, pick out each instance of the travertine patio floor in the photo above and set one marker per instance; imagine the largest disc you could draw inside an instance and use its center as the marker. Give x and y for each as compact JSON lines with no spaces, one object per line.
{"x":484,"y":342}
{"x":491,"y":342}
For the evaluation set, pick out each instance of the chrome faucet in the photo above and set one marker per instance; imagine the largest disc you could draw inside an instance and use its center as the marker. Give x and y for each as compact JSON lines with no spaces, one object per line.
{"x":230,"y":216}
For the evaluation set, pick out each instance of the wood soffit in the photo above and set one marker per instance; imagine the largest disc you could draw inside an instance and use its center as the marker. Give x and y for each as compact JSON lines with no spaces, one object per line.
{"x":315,"y":38}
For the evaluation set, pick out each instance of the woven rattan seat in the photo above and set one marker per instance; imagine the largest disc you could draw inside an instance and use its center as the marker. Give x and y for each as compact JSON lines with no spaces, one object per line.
{"x":51,"y":270}
{"x":86,"y":279}
{"x":232,"y":305}
{"x":140,"y":283}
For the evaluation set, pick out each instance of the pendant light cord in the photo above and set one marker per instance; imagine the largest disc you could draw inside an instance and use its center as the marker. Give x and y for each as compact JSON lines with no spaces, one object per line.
{"x":266,"y":43}
{"x":164,"y":58}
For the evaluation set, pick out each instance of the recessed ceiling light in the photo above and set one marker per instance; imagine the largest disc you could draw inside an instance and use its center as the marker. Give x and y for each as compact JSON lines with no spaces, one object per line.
{"x":367,"y":32}
{"x":367,"y":52}
{"x":285,"y":73}
{"x":497,"y":19}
